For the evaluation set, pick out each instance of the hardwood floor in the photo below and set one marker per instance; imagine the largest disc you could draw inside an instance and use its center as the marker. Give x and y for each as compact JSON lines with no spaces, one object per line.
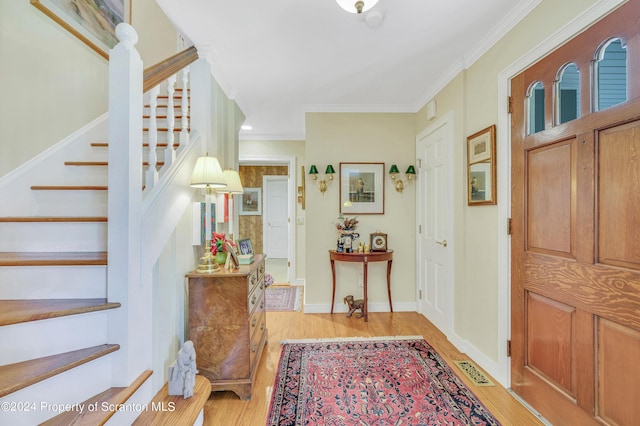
{"x":225,"y":408}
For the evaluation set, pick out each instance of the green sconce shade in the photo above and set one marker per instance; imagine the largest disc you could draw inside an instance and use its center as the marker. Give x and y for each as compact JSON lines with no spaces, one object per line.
{"x":330,"y":170}
{"x":313,"y":170}
{"x":394,"y":169}
{"x":410,"y":170}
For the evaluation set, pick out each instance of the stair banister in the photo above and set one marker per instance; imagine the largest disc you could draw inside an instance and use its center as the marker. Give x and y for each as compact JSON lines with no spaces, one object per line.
{"x":124,"y":281}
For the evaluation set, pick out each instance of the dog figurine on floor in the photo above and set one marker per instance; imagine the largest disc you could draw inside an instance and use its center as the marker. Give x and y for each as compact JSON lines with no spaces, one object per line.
{"x":354,"y":305}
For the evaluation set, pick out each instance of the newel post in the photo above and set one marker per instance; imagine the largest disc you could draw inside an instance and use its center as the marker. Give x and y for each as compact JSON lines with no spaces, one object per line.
{"x":129,"y":325}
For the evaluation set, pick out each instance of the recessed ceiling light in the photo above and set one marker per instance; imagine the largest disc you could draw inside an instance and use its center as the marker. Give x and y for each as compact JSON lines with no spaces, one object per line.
{"x":246,"y":127}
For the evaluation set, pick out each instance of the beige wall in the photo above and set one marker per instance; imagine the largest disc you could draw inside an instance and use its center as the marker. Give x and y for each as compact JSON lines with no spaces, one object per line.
{"x":472,"y":96}
{"x":360,"y":137}
{"x":52,"y":83}
{"x":275,"y":148}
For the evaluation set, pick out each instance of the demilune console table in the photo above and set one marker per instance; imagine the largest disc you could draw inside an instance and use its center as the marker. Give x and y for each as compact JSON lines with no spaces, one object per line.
{"x":364,"y":258}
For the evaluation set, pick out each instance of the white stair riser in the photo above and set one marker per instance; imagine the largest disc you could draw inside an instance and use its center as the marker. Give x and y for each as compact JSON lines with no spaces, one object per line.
{"x":69,"y":203}
{"x":53,"y":282}
{"x":141,"y":398}
{"x":70,"y":387}
{"x":62,"y":334}
{"x":53,"y":236}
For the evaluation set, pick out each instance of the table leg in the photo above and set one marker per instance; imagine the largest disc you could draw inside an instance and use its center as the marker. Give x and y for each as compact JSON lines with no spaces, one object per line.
{"x":333,"y":275}
{"x":389,"y":282}
{"x":365,"y":309}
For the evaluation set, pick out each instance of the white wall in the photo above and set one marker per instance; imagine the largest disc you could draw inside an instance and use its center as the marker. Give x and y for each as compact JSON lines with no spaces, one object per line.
{"x":359,"y":137}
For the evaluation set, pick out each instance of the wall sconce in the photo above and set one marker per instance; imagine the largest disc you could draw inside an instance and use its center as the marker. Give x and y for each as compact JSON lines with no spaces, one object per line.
{"x":323,"y":184}
{"x":393,"y":173}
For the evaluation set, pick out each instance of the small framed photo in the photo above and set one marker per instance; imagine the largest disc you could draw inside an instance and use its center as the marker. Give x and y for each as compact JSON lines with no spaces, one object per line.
{"x":245,"y":247}
{"x":232,"y":257}
{"x":481,"y":167}
{"x":251,"y":202}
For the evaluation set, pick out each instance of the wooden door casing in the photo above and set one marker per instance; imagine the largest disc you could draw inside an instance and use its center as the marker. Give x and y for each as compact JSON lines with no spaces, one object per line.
{"x":575,"y":249}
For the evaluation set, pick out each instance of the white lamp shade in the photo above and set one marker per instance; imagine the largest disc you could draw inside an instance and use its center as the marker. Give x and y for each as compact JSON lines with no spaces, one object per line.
{"x":234,"y":185}
{"x":208,"y":173}
{"x":350,"y":5}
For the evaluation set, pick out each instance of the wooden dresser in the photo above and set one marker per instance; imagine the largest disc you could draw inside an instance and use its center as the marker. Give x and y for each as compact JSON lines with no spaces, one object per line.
{"x":227,"y":325}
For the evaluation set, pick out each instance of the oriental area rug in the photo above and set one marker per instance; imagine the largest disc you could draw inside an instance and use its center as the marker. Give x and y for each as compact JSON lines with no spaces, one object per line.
{"x":372,"y":381}
{"x":287,"y":298}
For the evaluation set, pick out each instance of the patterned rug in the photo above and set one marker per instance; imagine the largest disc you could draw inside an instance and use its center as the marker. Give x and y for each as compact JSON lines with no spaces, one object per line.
{"x":379,"y":381}
{"x":287,"y":298}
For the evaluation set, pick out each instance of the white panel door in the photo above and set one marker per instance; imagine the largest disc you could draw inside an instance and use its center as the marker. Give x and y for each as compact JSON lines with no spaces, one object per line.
{"x":434,"y":205}
{"x":276,"y":239}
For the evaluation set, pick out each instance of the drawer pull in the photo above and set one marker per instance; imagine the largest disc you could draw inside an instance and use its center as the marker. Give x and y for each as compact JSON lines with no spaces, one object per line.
{"x":253,"y":279}
{"x":261,"y":305}
{"x":253,"y":300}
{"x":253,"y":322}
{"x":262,"y":326}
{"x":261,"y":286}
{"x":254,"y":347}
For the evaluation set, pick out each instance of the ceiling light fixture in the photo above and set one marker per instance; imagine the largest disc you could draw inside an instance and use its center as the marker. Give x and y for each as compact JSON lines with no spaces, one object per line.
{"x":357,"y":6}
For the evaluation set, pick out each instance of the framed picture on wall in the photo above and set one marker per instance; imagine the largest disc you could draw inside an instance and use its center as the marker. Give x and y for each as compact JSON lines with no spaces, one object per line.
{"x":481,"y":167}
{"x":96,"y":27}
{"x":251,"y":202}
{"x":362,"y":188}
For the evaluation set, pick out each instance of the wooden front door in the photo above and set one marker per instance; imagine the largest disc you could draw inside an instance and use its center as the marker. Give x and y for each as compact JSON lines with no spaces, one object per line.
{"x":575,"y":300}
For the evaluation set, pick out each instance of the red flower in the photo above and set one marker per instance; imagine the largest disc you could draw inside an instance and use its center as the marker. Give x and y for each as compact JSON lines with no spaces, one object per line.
{"x":218,"y":243}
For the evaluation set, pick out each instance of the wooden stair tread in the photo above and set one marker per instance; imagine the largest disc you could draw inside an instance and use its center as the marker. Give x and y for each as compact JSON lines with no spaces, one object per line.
{"x":69,"y":188}
{"x":112,"y":396}
{"x":101,"y":163}
{"x":185,"y":411}
{"x":26,"y":310}
{"x":145,"y":144}
{"x":53,"y":219}
{"x":165,"y":129}
{"x":14,"y":377}
{"x":53,"y":258}
{"x":163,"y":117}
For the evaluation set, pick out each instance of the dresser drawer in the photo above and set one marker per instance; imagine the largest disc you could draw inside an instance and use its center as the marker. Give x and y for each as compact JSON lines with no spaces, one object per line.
{"x":257,"y":341}
{"x":256,"y":299}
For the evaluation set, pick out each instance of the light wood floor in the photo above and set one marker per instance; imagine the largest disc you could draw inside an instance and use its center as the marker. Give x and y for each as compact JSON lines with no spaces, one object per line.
{"x":225,"y":408}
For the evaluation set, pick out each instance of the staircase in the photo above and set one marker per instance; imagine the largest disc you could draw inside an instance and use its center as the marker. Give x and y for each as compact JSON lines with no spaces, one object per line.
{"x":56,"y":322}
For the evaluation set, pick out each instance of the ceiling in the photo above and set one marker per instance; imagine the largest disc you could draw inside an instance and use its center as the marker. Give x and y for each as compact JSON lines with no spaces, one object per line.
{"x":281,"y":58}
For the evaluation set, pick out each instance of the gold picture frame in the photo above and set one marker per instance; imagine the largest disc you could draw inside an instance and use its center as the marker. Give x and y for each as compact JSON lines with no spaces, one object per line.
{"x":92,"y":21}
{"x":481,"y":167}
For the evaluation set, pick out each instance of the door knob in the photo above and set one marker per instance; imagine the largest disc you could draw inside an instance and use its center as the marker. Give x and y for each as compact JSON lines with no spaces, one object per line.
{"x":442,"y":243}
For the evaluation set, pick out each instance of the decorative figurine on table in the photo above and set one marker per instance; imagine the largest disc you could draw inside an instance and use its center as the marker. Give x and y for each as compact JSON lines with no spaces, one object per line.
{"x":346,"y":234}
{"x":182,"y":373}
{"x":354,"y":305}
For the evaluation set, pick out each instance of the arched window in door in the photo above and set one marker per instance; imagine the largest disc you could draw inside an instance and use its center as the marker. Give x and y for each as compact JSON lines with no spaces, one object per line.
{"x":610,"y":74}
{"x":535,"y":108}
{"x":567,"y":94}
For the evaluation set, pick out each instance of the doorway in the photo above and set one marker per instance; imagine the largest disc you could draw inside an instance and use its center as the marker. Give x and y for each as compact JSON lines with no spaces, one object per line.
{"x":275,"y":176}
{"x":434,"y":212}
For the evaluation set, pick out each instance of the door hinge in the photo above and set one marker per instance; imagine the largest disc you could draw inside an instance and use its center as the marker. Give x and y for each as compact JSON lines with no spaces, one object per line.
{"x":288,"y":264}
{"x":508,"y":226}
{"x":419,"y":163}
{"x":508,"y":348}
{"x":419,"y":229}
{"x":420,"y":294}
{"x":509,"y":104}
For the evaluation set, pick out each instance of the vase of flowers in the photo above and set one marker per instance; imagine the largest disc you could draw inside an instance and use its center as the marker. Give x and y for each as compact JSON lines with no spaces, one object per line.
{"x":219,"y":247}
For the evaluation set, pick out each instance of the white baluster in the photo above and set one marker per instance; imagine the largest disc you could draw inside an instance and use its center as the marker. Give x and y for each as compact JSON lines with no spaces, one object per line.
{"x":152,"y":172}
{"x":170,"y":152}
{"x":184,"y":134}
